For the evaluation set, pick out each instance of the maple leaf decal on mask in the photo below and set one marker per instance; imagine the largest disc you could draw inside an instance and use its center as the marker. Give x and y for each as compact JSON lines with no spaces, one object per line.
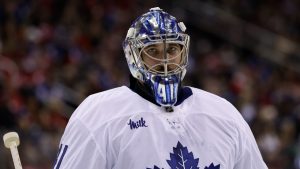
{"x":181,"y":158}
{"x":212,"y":166}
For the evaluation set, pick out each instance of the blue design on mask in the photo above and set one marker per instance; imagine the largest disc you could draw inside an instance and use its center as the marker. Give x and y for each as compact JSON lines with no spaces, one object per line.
{"x":165,"y":89}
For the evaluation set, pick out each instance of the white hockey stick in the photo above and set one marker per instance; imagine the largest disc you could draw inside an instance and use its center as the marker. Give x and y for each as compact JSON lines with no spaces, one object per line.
{"x":11,"y":141}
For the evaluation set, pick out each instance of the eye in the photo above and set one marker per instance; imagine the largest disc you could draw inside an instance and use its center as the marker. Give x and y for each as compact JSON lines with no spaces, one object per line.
{"x":151,"y":51}
{"x":173,"y":49}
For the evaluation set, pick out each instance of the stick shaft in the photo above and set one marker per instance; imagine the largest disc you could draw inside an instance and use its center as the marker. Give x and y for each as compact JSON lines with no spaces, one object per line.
{"x":15,"y":156}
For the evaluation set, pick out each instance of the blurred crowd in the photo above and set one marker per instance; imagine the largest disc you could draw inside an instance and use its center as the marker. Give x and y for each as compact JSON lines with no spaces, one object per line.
{"x":54,"y":53}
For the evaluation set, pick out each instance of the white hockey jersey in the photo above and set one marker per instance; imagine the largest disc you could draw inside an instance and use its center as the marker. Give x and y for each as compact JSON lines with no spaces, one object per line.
{"x":118,"y":129}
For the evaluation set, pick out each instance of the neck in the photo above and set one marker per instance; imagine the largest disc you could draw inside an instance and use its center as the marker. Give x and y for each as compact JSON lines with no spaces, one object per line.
{"x":142,"y":89}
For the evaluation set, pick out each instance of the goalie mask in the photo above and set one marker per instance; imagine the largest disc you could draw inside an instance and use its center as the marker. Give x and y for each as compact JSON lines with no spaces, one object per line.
{"x":156,"y":50}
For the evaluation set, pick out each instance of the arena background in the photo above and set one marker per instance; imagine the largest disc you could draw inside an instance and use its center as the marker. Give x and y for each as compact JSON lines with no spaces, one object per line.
{"x":54,"y":53}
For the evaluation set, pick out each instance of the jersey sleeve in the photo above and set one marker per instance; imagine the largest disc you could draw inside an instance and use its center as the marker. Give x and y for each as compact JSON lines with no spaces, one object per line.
{"x":78,"y":147}
{"x":248,"y":156}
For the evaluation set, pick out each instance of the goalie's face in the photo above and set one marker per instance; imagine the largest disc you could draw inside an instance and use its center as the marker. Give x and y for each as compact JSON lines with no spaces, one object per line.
{"x":163,"y":58}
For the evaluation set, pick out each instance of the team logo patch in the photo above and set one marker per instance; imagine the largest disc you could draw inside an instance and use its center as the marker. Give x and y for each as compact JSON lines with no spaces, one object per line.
{"x":181,"y":158}
{"x":212,"y":166}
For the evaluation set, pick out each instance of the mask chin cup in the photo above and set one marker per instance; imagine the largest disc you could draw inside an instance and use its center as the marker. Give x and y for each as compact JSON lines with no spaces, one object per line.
{"x":165,"y":89}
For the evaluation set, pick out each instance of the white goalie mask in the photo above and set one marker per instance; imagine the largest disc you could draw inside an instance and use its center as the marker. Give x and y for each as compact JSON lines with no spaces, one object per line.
{"x":156,"y":50}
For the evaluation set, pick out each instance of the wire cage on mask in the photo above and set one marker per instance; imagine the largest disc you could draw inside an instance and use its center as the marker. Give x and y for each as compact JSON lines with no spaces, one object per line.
{"x":139,"y":44}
